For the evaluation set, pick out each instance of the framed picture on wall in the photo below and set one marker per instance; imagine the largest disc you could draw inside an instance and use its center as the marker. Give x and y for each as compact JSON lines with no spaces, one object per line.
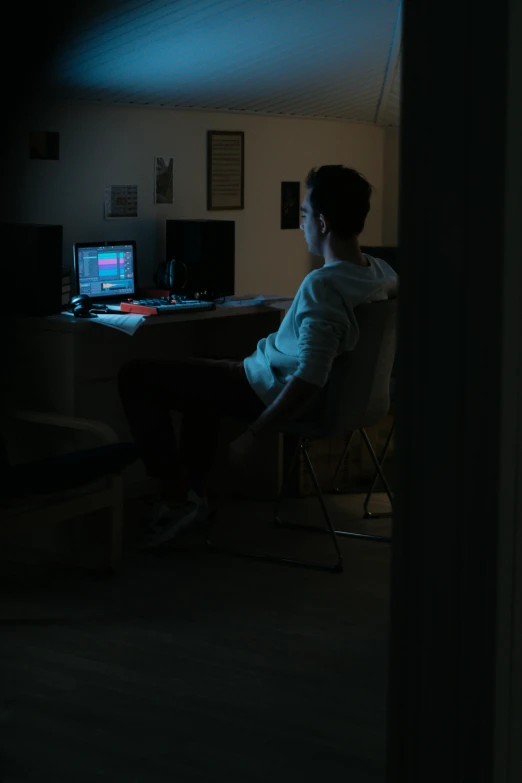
{"x":163,"y":180}
{"x":44,"y":145}
{"x":225,"y":170}
{"x":290,"y":204}
{"x":121,"y":201}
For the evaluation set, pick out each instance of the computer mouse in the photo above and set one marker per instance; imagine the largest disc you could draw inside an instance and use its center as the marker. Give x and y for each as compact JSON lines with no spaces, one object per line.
{"x":80,"y":306}
{"x":82,"y":312}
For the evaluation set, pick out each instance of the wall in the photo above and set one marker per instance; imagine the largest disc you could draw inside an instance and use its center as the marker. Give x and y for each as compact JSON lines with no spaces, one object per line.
{"x":102,"y":146}
{"x":390,"y":209}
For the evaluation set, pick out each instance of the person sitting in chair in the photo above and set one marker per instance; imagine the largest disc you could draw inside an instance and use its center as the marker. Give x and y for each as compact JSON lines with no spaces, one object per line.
{"x":276,"y":382}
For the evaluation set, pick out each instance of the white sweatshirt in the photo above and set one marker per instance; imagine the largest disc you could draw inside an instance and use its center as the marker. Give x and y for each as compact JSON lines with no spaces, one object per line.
{"x":319,"y":325}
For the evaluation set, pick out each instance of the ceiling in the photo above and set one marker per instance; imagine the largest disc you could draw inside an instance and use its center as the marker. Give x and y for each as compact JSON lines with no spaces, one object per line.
{"x":332,"y":59}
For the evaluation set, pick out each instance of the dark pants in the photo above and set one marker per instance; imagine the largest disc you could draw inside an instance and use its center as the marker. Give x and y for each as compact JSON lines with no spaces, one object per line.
{"x":203,"y":390}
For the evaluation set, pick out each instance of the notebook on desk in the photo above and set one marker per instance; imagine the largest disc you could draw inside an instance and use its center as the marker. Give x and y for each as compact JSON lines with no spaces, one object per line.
{"x":106,"y":271}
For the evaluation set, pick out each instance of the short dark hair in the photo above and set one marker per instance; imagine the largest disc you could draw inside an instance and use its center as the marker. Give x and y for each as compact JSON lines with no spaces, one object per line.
{"x":342,"y":195}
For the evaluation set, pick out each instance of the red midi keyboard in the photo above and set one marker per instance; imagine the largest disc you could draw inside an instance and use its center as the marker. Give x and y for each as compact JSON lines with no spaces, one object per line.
{"x":167,"y":306}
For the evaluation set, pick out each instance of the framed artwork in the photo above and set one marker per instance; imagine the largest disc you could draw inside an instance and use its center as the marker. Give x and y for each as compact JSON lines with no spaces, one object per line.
{"x":121,"y":201}
{"x":163,"y":180}
{"x":290,"y":204}
{"x":225,"y":170}
{"x":44,"y":145}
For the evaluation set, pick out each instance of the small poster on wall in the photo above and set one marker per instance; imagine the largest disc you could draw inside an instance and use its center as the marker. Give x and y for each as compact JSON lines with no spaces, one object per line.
{"x":44,"y":145}
{"x":163,"y":180}
{"x":121,"y":201}
{"x":290,"y":204}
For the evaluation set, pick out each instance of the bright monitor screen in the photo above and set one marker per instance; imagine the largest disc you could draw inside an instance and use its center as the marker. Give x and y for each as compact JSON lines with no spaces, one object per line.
{"x":105,"y":269}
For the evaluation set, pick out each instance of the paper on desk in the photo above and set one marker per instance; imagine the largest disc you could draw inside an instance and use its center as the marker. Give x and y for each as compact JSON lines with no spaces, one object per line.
{"x":240,"y":302}
{"x":251,"y":299}
{"x":124,"y":322}
{"x":275,"y":298}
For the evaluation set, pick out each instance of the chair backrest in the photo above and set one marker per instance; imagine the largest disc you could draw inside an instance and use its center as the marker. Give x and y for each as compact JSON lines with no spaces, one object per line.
{"x":357,"y":394}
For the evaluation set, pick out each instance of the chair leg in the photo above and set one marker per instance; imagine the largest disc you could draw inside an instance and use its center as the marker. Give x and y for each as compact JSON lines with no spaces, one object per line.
{"x":336,"y":567}
{"x":372,"y":536}
{"x":380,"y":515}
{"x":347,"y":533}
{"x":286,"y":482}
{"x":341,"y":461}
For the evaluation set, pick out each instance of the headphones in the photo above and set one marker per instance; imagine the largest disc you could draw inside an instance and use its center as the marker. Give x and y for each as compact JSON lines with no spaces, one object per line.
{"x":82,"y":306}
{"x":165,"y":276}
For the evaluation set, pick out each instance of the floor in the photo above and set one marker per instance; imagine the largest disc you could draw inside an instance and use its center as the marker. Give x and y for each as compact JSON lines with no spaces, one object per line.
{"x":190,"y":665}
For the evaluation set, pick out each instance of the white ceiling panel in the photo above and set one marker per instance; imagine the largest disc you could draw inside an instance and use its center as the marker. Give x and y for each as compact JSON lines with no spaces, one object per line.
{"x":334,"y":59}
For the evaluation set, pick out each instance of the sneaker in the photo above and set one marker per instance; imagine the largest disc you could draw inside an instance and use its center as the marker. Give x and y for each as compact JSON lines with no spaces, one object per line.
{"x":166,"y":522}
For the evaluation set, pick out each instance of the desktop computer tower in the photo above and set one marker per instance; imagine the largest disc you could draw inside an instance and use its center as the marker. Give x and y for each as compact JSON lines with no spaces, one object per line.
{"x":204,"y":251}
{"x":32,"y":268}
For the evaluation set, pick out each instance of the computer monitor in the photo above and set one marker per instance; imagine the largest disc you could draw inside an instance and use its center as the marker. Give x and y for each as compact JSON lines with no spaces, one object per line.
{"x":105,"y":270}
{"x":205,"y":254}
{"x":388,"y":253}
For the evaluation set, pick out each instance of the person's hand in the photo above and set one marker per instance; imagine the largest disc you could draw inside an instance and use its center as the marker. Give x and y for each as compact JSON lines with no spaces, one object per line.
{"x":242,"y":450}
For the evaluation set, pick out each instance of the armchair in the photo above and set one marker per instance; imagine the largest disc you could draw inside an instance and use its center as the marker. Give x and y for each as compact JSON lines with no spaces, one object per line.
{"x":63,"y":487}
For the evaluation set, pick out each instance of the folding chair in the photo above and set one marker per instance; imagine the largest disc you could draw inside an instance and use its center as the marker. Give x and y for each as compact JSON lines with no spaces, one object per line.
{"x":381,"y":459}
{"x":357,"y":396}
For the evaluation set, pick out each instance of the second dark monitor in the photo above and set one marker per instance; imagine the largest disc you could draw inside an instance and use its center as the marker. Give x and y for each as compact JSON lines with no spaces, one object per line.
{"x":386,"y":252}
{"x":204,"y":251}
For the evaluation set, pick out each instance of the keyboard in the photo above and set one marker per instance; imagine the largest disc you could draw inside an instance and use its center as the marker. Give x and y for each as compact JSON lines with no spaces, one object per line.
{"x":167,"y":306}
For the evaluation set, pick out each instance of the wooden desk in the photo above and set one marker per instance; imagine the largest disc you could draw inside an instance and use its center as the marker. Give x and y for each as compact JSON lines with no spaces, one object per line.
{"x":69,"y":365}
